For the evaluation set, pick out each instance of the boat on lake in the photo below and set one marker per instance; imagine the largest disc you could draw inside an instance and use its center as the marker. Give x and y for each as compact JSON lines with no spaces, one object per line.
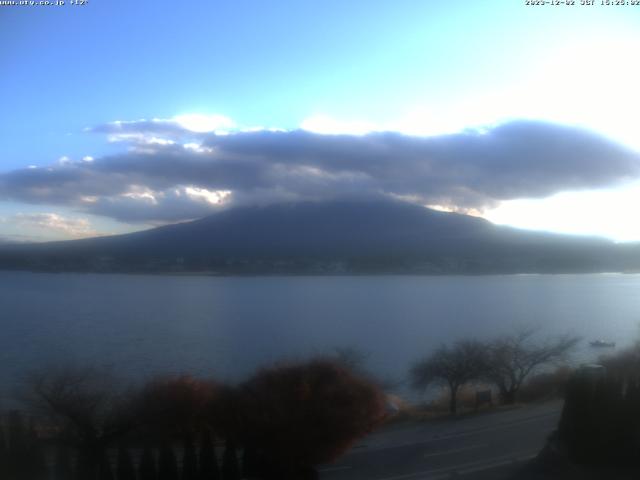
{"x":602,"y":343}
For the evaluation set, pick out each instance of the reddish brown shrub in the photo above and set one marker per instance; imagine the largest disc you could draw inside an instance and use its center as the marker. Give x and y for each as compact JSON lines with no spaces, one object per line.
{"x":223,"y":414}
{"x":176,"y":405}
{"x":309,"y":413}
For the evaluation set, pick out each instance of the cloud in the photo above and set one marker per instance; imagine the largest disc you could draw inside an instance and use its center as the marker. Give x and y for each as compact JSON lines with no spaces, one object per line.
{"x":164,"y":131}
{"x":191,"y":174}
{"x":51,"y":223}
{"x":143,"y":205}
{"x":178,"y":125}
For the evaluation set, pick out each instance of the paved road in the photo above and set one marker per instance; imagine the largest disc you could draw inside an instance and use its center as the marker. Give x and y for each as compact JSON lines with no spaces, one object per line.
{"x":482,"y":446}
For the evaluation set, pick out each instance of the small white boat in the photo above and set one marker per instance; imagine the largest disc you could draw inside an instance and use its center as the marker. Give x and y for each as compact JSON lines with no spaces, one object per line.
{"x":602,"y":343}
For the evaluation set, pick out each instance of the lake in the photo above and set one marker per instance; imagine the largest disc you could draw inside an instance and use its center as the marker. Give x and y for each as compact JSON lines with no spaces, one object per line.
{"x":227,"y":326}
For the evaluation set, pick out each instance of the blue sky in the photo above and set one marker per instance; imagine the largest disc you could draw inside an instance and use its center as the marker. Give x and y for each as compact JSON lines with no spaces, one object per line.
{"x":424,"y":69}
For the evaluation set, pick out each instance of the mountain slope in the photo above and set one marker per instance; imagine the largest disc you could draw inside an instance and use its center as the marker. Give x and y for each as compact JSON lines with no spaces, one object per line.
{"x":338,"y":236}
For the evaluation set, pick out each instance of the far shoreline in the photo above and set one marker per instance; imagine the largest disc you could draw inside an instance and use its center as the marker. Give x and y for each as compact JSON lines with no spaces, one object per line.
{"x":316,"y":274}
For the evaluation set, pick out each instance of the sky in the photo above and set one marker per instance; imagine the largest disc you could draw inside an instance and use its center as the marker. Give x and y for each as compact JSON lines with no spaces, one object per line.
{"x":118,"y":116}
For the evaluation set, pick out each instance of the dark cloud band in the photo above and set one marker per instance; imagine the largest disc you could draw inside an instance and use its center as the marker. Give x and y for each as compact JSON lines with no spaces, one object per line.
{"x":472,"y":169}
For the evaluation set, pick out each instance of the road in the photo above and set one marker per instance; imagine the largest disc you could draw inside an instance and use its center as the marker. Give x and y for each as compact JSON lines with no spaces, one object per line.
{"x":487,"y":445}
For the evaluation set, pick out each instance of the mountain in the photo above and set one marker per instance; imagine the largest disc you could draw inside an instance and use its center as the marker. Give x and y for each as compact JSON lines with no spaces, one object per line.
{"x":347,"y":236}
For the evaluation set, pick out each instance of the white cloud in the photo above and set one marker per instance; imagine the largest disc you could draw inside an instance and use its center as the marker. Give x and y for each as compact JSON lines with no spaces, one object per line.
{"x":52,"y":224}
{"x":145,"y":135}
{"x":197,"y":147}
{"x":140,"y":192}
{"x":213,"y":197}
{"x":139,"y":139}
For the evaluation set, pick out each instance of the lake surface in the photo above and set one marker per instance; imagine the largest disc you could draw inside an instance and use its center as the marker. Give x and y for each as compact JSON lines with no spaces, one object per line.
{"x":227,"y":326}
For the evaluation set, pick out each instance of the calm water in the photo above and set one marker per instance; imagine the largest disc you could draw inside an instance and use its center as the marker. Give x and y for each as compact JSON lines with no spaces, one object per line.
{"x":227,"y":326}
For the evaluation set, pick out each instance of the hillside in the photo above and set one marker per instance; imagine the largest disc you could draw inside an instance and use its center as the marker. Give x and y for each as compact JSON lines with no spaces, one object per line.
{"x":332,"y":237}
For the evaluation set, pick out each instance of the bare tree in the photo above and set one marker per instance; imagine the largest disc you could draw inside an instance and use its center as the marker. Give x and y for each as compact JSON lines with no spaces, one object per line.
{"x":92,"y":411}
{"x":512,"y":358}
{"x":452,"y":366}
{"x":85,"y":406}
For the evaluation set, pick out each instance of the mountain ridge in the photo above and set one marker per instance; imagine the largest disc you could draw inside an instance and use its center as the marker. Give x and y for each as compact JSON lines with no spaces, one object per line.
{"x":339,"y":236}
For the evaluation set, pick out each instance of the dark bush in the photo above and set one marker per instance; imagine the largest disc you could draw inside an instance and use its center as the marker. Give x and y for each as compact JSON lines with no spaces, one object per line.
{"x":62,"y":466}
{"x":174,"y":406}
{"x":224,"y":414}
{"x":296,"y":416}
{"x":285,"y":420}
{"x":623,"y":364}
{"x":147,"y":470}
{"x":125,"y":469}
{"x":105,"y":471}
{"x":230,"y":467}
{"x":21,"y":453}
{"x":189,"y":459}
{"x":86,"y":407}
{"x":600,"y":421}
{"x":208,"y":463}
{"x":4,"y":453}
{"x":167,"y":463}
{"x":544,"y":386}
